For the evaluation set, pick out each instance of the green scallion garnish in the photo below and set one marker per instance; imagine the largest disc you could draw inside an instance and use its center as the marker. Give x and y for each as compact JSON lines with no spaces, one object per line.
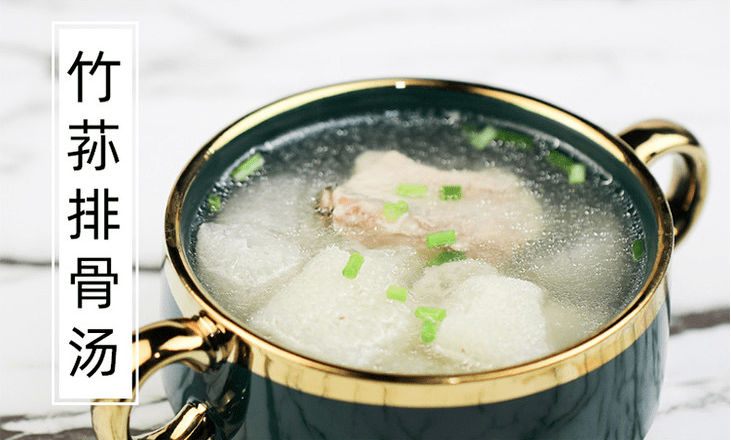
{"x":410,"y":190}
{"x":557,"y":159}
{"x":214,"y":202}
{"x":480,"y":140}
{"x":390,"y":212}
{"x":248,"y":167}
{"x":430,"y":313}
{"x":469,"y":129}
{"x":638,"y":249}
{"x":445,"y":257}
{"x":353,"y":266}
{"x":517,"y":139}
{"x":397,"y":293}
{"x":438,"y":239}
{"x":393,"y":211}
{"x":451,"y":193}
{"x":575,"y":171}
{"x":428,"y":331}
{"x":577,"y":174}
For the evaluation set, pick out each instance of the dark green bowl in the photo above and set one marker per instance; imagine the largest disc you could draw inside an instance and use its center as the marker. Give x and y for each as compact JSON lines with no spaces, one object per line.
{"x":241,"y":386}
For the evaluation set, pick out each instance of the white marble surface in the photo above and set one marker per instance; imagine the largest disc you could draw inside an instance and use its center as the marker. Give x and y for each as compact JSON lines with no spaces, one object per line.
{"x":204,"y":64}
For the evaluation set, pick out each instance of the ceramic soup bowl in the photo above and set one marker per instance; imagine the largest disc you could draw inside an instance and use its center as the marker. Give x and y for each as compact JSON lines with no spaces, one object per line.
{"x":230,"y":383}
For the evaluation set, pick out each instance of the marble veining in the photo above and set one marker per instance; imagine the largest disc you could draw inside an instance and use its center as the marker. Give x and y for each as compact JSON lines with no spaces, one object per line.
{"x":205,"y":64}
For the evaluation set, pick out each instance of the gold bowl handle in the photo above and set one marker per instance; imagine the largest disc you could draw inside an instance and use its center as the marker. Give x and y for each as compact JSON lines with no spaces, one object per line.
{"x":196,"y":342}
{"x":689,"y":183}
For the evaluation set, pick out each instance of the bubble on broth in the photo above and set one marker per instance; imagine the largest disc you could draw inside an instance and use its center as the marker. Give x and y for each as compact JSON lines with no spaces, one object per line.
{"x":271,"y":259}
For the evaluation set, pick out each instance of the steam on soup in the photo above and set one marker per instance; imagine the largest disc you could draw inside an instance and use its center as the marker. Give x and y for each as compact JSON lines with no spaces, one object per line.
{"x":419,"y":243}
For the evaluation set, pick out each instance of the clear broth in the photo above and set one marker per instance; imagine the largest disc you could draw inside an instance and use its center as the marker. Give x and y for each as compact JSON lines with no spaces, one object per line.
{"x":268,"y":229}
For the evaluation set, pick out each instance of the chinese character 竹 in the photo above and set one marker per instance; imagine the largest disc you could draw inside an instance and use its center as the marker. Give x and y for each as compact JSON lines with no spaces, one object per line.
{"x":77,"y":67}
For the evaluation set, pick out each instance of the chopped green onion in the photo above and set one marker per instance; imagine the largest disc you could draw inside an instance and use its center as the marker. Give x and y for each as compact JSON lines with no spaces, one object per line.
{"x":575,"y":171}
{"x":430,"y":313}
{"x":393,"y":211}
{"x":410,"y":190}
{"x":249,"y":167}
{"x":440,"y":239}
{"x":469,"y":129}
{"x":445,"y":257}
{"x":514,"y":138}
{"x":428,"y":331}
{"x":431,"y":317}
{"x":214,"y":202}
{"x":577,"y":174}
{"x":353,"y":266}
{"x":559,"y":160}
{"x":480,"y":140}
{"x":390,"y":212}
{"x":638,"y":249}
{"x":451,"y":193}
{"x":397,"y":293}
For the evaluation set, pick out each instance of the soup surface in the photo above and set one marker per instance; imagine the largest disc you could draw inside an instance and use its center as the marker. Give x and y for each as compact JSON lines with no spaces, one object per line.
{"x":430,"y":242}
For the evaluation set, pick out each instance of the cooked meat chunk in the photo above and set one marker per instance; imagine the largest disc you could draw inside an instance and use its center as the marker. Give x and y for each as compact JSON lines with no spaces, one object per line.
{"x":494,"y":215}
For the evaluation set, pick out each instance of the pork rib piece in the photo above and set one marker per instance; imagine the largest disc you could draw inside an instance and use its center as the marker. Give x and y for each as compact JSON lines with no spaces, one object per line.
{"x":495,"y":215}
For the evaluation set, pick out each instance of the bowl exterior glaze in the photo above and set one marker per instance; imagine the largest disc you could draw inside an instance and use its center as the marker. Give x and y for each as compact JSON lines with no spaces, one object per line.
{"x":616,"y":401}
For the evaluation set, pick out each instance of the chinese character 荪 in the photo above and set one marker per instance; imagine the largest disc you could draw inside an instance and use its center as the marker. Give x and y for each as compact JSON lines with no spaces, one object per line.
{"x":94,"y":279}
{"x":102,"y":144}
{"x":94,"y":347}
{"x":77,"y":67}
{"x":93,"y":213}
